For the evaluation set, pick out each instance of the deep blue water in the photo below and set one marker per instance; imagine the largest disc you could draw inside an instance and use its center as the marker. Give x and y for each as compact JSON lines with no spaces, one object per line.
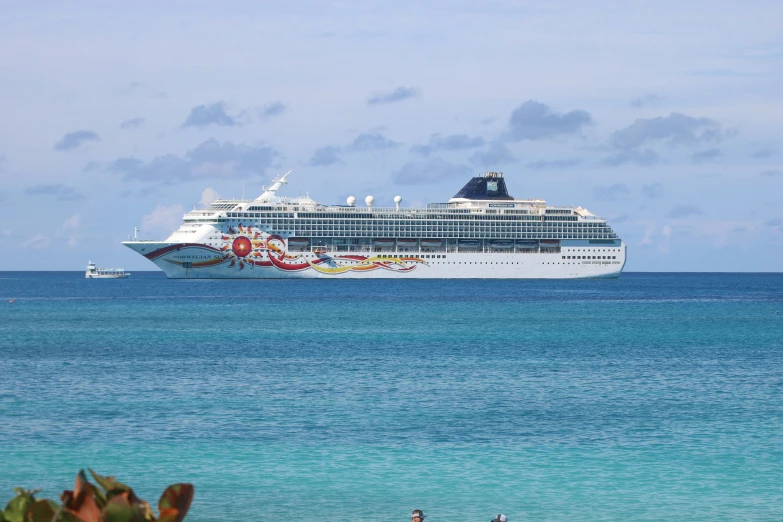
{"x":650,"y":397}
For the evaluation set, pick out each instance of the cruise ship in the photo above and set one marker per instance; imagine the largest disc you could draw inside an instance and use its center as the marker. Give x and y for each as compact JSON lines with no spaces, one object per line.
{"x":482,"y":232}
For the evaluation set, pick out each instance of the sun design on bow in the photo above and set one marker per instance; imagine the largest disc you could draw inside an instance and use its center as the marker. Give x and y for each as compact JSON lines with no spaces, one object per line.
{"x":240,"y":243}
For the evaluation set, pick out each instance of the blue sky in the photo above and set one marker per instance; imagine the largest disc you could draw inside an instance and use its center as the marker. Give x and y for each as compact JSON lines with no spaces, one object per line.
{"x":664,"y":117}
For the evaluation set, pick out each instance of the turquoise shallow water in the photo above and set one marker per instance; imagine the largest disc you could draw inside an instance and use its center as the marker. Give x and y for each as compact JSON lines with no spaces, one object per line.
{"x":651,"y":397}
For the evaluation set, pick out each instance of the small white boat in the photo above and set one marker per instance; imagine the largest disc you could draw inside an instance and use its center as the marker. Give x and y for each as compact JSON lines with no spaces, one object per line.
{"x":407,"y":242}
{"x":104,"y":273}
{"x":431,"y":242}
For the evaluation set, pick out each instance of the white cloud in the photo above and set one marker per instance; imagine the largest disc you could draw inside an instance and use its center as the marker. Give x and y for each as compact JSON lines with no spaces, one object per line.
{"x":719,"y":232}
{"x":656,"y":237}
{"x":648,"y":100}
{"x":38,"y":242}
{"x":397,"y":95}
{"x":433,"y":170}
{"x":208,"y":196}
{"x":211,"y":158}
{"x":534,"y":120}
{"x":75,"y":139}
{"x":648,"y":236}
{"x":613,"y":192}
{"x":71,"y":225}
{"x":162,"y":221}
{"x":666,"y":236}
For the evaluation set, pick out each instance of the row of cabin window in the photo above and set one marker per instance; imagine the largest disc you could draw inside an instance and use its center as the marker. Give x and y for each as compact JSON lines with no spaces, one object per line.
{"x":436,"y":225}
{"x":432,"y":223}
{"x":422,"y":215}
{"x":426,"y":256}
{"x":489,"y":215}
{"x":558,"y":220}
{"x":466,"y":235}
{"x":596,"y":249}
{"x":431,"y":256}
{"x":308,"y":230}
{"x":589,"y":257}
{"x":451,"y":225}
{"x":429,"y":227}
{"x":391,"y":230}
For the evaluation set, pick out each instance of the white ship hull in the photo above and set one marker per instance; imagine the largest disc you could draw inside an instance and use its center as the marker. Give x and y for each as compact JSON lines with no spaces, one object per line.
{"x":193,"y":261}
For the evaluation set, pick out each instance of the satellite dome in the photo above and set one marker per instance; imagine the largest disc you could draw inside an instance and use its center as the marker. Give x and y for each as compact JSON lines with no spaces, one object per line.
{"x":369,"y":200}
{"x":351,"y":201}
{"x":397,"y":199}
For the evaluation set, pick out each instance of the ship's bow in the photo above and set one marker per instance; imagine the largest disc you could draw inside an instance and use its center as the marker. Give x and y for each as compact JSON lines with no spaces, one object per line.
{"x":157,"y":251}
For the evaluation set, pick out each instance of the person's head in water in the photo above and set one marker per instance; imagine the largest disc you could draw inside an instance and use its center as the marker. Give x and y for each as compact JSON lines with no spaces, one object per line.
{"x":418,"y":516}
{"x":500,"y":518}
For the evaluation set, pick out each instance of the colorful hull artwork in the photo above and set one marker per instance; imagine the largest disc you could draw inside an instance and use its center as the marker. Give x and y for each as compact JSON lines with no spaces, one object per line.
{"x":246,"y":248}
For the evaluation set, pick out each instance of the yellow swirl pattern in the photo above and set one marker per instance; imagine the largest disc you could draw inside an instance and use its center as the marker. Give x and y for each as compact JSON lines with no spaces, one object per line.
{"x":371,"y":263}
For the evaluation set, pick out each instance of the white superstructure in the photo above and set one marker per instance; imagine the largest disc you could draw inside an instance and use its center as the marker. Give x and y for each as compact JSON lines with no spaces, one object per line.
{"x":481,"y":232}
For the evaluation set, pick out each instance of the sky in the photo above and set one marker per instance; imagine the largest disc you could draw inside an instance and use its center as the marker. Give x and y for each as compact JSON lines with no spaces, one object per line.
{"x":664,"y":117}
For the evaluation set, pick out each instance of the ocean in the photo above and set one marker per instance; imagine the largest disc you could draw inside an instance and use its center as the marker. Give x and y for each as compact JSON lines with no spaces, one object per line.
{"x":649,"y":397}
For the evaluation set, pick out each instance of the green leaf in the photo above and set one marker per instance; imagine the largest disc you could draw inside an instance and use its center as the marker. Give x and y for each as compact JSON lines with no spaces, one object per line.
{"x":175,"y":502}
{"x":119,"y":510}
{"x":17,"y":506}
{"x":108,"y":483}
{"x":100,"y":497}
{"x":117,"y":513}
{"x":40,"y":511}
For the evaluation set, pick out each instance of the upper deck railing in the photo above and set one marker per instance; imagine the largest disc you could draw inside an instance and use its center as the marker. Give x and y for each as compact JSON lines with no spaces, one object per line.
{"x":432,"y":209}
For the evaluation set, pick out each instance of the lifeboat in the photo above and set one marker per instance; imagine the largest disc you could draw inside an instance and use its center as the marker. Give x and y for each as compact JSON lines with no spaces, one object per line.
{"x":469,"y":243}
{"x":383,"y":242}
{"x":407,"y":242}
{"x":298,"y":241}
{"x":527,"y":243}
{"x":502,"y":245}
{"x":550,"y":242}
{"x":431,"y":242}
